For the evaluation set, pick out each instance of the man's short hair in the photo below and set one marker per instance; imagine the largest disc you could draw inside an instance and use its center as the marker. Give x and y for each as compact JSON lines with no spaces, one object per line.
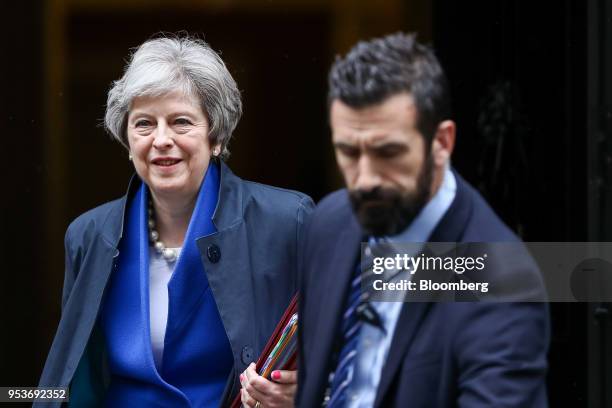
{"x":374,"y":70}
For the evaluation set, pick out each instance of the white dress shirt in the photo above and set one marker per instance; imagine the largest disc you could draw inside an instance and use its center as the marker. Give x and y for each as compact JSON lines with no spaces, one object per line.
{"x":160,"y":272}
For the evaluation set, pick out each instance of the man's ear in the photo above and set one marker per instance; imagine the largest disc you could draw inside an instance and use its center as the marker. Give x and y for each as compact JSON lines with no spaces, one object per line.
{"x":443,"y":143}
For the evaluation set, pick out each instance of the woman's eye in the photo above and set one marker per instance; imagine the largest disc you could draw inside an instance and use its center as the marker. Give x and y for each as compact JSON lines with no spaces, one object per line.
{"x":142,"y":123}
{"x":182,"y":122}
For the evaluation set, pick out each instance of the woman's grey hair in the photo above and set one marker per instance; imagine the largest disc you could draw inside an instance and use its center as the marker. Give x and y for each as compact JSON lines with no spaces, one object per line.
{"x":163,"y":65}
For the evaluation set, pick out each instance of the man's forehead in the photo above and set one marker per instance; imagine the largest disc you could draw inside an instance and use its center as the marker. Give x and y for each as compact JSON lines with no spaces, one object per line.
{"x":377,"y":137}
{"x":376,"y":123}
{"x":396,"y":109}
{"x":399,"y":103}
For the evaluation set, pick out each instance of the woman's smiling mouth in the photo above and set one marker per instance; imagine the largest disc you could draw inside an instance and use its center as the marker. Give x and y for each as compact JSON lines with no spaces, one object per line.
{"x":165,"y":161}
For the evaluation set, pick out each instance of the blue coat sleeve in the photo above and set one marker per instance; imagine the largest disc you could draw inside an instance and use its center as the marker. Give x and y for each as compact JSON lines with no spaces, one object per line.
{"x":501,"y":358}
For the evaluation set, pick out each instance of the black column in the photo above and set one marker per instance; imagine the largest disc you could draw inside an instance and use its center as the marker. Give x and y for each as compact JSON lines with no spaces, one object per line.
{"x":22,"y":348}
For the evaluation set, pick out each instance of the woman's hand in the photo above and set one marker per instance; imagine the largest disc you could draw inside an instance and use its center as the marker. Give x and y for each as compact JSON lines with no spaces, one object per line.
{"x":279,"y":393}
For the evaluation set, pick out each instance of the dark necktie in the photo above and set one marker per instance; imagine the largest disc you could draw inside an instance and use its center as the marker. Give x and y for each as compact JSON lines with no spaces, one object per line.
{"x":351,"y":325}
{"x":342,"y":376}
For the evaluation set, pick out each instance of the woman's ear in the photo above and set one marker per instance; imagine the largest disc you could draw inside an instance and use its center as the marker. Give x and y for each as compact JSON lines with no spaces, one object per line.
{"x":443,"y":143}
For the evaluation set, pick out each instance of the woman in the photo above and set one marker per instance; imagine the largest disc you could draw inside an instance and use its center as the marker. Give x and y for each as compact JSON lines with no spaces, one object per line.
{"x":171,"y":291}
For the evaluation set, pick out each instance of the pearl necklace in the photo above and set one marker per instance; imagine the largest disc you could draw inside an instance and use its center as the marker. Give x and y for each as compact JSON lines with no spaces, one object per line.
{"x":169,"y":254}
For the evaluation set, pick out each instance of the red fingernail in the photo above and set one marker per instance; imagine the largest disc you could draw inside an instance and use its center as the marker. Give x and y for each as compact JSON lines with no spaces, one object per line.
{"x":276,"y":375}
{"x":241,"y":377}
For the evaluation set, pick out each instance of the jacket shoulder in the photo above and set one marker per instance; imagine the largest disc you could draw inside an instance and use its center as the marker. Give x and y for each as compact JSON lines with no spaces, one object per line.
{"x":485,"y":225}
{"x":277,"y":200}
{"x":335,"y":201}
{"x":332,"y":215}
{"x":93,"y":222}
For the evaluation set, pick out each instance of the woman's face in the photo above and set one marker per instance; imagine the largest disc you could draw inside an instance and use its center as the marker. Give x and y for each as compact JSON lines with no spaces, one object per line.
{"x":168,"y":139}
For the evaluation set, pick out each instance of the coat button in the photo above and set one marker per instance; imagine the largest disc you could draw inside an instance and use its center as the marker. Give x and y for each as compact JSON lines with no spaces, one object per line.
{"x":214,"y":253}
{"x":247,"y":355}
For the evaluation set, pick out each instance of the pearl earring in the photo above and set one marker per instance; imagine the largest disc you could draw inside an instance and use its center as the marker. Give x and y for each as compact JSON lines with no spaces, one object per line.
{"x":130,"y":157}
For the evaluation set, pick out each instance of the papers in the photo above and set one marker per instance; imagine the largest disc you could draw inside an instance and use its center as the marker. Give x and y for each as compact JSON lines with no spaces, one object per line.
{"x":284,"y":350}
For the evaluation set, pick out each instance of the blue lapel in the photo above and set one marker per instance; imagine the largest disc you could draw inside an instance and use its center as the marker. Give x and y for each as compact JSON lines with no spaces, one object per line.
{"x":125,"y":316}
{"x":125,"y":311}
{"x":188,"y":282}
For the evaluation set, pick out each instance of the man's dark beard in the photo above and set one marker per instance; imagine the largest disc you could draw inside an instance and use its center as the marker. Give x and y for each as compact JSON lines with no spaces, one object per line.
{"x":387,"y":211}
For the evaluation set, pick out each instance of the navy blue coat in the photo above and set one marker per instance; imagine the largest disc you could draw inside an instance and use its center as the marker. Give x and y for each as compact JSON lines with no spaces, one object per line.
{"x":442,"y":354}
{"x":259,"y":230}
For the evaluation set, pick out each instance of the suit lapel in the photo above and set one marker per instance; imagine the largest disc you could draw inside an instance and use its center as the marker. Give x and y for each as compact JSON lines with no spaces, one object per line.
{"x":81,"y":308}
{"x":230,"y":243}
{"x":334,"y":276}
{"x":410,"y":318}
{"x":231,"y":299}
{"x":450,"y":229}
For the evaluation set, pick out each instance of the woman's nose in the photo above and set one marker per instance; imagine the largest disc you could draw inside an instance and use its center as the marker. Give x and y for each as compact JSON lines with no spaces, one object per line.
{"x":163,"y":137}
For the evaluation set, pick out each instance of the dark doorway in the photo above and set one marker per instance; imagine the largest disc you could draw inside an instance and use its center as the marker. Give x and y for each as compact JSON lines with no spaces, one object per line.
{"x":518,"y":73}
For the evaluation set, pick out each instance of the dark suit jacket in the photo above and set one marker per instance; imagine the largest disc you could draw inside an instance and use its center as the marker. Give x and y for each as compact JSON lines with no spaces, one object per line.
{"x":259,"y":231}
{"x":442,"y":354}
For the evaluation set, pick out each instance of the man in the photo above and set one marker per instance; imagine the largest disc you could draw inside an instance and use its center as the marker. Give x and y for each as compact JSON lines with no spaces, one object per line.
{"x":393,"y":139}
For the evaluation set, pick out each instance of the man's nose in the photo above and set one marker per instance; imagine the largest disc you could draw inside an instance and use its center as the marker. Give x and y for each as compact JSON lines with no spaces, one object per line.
{"x":163,"y":137}
{"x":368,"y":176}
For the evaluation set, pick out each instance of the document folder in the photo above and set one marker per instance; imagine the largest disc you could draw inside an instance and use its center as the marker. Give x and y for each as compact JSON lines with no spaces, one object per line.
{"x":280,"y":353}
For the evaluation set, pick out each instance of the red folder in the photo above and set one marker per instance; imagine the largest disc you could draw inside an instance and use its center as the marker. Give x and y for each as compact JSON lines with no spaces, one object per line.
{"x":289,"y":359}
